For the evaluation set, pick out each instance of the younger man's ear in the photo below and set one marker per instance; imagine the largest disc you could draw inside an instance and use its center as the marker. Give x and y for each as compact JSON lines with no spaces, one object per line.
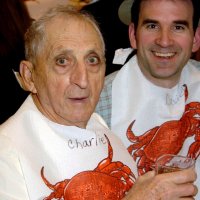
{"x":26,"y":69}
{"x":132,"y":38}
{"x":196,"y":41}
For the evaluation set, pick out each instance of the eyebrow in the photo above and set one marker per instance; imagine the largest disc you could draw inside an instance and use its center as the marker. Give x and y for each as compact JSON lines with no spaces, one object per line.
{"x":149,"y":21}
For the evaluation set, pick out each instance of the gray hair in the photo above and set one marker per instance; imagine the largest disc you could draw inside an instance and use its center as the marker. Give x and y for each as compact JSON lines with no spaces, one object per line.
{"x":35,"y":36}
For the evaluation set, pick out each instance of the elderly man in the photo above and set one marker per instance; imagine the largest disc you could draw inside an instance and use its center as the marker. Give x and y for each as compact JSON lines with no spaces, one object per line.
{"x":54,"y":147}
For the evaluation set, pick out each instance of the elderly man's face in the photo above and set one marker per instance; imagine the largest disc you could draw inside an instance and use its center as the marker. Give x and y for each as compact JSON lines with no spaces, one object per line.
{"x":70,"y":72}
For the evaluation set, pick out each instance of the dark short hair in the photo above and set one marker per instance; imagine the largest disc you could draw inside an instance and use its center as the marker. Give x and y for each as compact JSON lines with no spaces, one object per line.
{"x":135,"y":10}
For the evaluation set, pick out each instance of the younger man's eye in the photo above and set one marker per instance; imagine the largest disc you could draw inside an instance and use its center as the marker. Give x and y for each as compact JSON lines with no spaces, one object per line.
{"x":152,"y":26}
{"x":179,"y":28}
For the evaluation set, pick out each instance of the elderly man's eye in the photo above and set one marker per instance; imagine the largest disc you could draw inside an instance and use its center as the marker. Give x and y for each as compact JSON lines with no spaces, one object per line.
{"x":93,"y":60}
{"x":61,"y":61}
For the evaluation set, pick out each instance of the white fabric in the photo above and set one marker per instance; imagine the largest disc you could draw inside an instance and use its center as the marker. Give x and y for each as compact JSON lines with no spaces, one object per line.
{"x":29,"y":141}
{"x":134,"y":98}
{"x":121,"y":55}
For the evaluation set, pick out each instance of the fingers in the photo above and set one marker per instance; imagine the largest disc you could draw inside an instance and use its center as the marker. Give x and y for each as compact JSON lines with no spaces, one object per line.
{"x":177,"y":184}
{"x":183,"y":176}
{"x":168,"y":186}
{"x":188,"y":190}
{"x":195,"y":190}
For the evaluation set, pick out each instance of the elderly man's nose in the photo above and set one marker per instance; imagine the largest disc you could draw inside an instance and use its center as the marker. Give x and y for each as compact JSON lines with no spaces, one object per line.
{"x":80,"y":76}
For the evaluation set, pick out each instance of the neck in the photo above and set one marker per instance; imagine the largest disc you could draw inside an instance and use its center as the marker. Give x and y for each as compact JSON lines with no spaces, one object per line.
{"x":57,"y":119}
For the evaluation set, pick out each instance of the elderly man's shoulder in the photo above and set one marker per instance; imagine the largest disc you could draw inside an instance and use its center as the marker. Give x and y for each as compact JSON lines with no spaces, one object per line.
{"x":10,"y":171}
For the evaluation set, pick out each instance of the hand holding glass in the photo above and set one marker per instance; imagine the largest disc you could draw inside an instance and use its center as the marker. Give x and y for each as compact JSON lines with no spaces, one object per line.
{"x":170,"y":163}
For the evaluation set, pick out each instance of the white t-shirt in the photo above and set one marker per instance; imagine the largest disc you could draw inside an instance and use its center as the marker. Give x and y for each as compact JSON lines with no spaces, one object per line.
{"x":160,"y":120}
{"x":40,"y":159}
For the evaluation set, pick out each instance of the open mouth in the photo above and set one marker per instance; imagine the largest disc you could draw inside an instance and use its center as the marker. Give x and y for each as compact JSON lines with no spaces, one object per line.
{"x":164,"y":55}
{"x":79,"y":99}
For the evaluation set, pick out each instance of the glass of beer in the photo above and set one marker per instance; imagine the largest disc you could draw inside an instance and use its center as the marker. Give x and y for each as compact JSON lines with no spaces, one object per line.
{"x":171,"y":163}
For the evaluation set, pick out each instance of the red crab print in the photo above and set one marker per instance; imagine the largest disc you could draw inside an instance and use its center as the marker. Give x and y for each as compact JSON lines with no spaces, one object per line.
{"x":108,"y":181}
{"x":167,"y":138}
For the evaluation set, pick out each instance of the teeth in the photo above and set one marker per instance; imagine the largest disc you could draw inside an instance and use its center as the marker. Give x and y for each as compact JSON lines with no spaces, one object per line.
{"x":164,"y":54}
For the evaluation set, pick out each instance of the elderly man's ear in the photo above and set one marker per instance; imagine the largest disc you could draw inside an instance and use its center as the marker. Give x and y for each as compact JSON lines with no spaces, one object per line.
{"x":26,"y":76}
{"x":196,"y":41}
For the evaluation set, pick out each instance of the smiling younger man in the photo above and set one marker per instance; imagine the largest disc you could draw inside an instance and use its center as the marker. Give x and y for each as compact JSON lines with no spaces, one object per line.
{"x":153,"y":102}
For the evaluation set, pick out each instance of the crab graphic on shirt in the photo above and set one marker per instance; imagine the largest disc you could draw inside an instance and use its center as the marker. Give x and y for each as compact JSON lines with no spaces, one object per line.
{"x":109,"y":181}
{"x":168,"y":138}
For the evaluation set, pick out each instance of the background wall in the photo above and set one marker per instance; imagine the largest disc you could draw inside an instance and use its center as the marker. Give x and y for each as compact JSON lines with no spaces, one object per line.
{"x":37,"y":7}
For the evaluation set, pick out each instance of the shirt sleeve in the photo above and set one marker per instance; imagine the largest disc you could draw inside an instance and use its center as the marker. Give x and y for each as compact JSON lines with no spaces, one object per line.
{"x":12,"y":183}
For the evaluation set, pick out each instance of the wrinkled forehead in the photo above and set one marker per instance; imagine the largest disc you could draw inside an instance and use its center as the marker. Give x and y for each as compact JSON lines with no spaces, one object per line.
{"x":72,"y":27}
{"x":75,"y":34}
{"x":65,"y":25}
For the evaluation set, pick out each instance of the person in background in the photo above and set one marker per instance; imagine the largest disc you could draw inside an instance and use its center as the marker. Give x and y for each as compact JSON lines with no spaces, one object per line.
{"x":14,"y":21}
{"x":153,"y":102}
{"x":54,"y":146}
{"x":79,"y":4}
